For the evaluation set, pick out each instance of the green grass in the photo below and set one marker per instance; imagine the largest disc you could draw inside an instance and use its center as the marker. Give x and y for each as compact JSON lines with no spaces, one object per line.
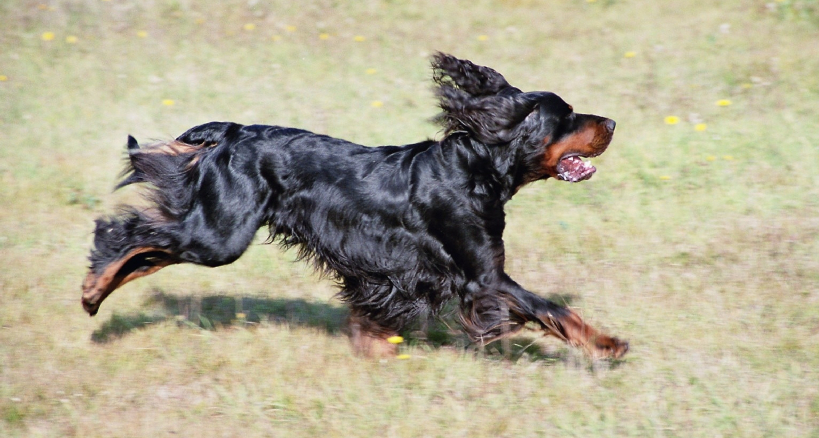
{"x":700,"y":247}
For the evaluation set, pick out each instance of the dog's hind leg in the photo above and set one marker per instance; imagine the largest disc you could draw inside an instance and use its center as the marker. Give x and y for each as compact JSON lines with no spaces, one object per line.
{"x":205,"y":212}
{"x":136,"y":245}
{"x":126,"y":248}
{"x":368,"y":338}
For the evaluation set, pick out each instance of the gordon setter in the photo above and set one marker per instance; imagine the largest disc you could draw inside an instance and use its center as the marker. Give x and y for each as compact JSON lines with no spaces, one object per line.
{"x":402,"y":229}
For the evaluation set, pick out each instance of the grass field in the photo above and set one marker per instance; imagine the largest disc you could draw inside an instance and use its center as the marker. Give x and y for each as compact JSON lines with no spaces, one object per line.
{"x":697,"y":240}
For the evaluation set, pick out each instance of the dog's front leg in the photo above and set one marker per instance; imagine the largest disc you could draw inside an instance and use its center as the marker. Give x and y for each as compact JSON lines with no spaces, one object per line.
{"x":501,"y":308}
{"x":560,"y":321}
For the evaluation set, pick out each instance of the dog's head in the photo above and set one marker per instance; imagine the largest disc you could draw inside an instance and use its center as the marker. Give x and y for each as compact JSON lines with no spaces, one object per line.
{"x":541,"y":130}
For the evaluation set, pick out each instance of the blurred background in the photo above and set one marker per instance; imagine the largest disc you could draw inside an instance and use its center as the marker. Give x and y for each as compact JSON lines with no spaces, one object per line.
{"x":697,"y":239}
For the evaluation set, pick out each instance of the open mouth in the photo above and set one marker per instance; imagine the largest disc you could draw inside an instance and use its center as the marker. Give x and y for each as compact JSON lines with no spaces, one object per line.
{"x":574,"y":169}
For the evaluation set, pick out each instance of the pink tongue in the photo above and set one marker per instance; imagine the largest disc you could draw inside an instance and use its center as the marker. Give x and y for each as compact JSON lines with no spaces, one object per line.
{"x":574,"y":169}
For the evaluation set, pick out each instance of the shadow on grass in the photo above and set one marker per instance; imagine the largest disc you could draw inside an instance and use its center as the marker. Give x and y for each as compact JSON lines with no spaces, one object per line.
{"x":120,"y":325}
{"x":218,"y":311}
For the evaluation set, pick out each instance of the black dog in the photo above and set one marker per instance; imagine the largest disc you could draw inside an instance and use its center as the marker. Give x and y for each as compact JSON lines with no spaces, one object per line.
{"x":403,"y":229}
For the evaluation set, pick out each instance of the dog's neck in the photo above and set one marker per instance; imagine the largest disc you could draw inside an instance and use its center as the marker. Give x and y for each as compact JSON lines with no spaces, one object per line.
{"x":491,"y":168}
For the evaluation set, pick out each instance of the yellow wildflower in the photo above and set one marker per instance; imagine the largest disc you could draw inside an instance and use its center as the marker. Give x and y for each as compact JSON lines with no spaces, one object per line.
{"x":665,"y":177}
{"x":142,"y":34}
{"x":168,"y":102}
{"x":3,"y":78}
{"x":290,"y":28}
{"x":746,"y":85}
{"x":403,"y":356}
{"x":483,"y":37}
{"x":358,"y":38}
{"x":672,"y":120}
{"x":630,"y":54}
{"x":71,"y":39}
{"x":376,"y":104}
{"x":728,"y":157}
{"x":324,"y":36}
{"x":371,"y":71}
{"x":47,"y":36}
{"x":710,"y":158}
{"x":276,"y":38}
{"x":395,"y":339}
{"x":700,"y":127}
{"x":250,"y":27}
{"x":723,"y":102}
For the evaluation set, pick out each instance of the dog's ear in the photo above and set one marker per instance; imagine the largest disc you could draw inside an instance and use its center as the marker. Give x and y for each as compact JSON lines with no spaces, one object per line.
{"x":491,"y":120}
{"x":476,"y":80}
{"x":478,"y":100}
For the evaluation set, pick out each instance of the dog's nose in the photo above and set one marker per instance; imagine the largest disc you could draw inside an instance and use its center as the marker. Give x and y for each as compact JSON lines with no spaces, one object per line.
{"x":610,"y":124}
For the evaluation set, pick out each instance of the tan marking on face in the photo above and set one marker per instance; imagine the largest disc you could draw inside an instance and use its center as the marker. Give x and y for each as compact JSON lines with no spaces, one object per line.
{"x":589,"y":141}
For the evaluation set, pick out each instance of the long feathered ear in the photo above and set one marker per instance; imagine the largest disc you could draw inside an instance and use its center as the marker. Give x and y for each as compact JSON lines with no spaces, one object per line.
{"x":476,"y":80}
{"x":478,"y":100}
